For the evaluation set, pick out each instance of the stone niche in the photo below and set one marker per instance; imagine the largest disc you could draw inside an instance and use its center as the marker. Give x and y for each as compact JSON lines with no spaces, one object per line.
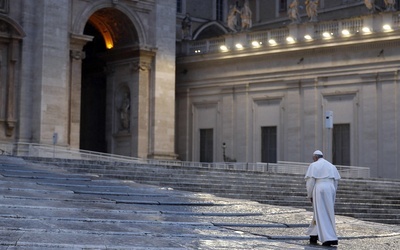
{"x":122,"y":121}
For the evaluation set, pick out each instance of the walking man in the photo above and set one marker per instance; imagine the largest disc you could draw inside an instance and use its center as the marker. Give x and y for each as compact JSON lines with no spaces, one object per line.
{"x":322,"y":181}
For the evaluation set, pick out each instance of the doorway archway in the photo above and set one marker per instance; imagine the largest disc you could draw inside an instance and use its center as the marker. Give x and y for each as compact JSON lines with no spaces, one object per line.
{"x":113,"y":61}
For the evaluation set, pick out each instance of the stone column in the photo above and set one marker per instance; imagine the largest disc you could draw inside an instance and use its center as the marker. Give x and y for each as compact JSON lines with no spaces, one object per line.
{"x":10,"y":120}
{"x":140,"y":100}
{"x":76,"y":56}
{"x":162,"y":96}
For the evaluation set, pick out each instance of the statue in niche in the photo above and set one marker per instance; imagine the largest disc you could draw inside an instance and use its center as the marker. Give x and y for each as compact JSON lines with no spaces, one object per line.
{"x":293,"y":12}
{"x":390,"y":5}
{"x":370,"y":4}
{"x":245,"y":15}
{"x":312,"y":10}
{"x":187,"y":27}
{"x":125,"y":112}
{"x":233,"y":17}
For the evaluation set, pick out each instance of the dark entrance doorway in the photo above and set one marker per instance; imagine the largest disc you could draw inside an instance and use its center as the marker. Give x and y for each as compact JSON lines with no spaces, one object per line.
{"x":268,"y":144}
{"x":93,"y":94}
{"x":341,"y":144}
{"x":206,"y":145}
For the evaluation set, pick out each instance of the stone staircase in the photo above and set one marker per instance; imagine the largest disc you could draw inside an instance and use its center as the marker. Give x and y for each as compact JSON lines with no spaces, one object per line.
{"x":376,"y":200}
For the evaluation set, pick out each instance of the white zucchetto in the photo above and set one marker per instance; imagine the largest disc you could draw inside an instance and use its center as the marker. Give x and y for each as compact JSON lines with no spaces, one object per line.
{"x":318,"y":152}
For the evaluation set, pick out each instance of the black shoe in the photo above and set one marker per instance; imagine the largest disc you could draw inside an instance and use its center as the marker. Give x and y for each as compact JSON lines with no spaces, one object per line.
{"x":330,"y":243}
{"x":313,"y":239}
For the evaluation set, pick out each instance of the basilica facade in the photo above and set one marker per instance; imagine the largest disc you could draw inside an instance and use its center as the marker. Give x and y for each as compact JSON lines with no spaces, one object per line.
{"x":90,"y":74}
{"x":209,"y":80}
{"x":303,"y":77}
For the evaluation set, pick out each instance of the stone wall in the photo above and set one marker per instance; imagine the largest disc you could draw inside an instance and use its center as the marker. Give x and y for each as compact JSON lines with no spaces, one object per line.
{"x":49,"y":58}
{"x":238,"y":93}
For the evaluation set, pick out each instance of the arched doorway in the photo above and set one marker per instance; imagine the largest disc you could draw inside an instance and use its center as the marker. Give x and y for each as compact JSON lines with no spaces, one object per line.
{"x":122,"y":80}
{"x":110,"y":80}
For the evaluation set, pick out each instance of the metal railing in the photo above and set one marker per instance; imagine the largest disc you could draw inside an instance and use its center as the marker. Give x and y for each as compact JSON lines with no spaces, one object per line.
{"x":283,"y":167}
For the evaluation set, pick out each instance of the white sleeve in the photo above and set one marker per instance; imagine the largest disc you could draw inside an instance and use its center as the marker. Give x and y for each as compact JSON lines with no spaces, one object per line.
{"x":310,"y":182}
{"x":336,"y":183}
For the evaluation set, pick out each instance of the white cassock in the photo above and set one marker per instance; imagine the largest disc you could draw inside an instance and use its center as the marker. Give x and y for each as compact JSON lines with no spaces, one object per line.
{"x":322,"y":181}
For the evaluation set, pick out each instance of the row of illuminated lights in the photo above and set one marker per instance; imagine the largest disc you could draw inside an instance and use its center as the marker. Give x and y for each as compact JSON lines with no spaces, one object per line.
{"x":290,"y":39}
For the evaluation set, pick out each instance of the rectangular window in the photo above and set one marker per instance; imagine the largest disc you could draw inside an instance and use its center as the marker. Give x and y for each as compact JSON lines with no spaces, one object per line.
{"x":220,"y":10}
{"x":269,"y":144}
{"x":341,"y":144}
{"x":282,"y":5}
{"x":206,"y":145}
{"x":179,"y":6}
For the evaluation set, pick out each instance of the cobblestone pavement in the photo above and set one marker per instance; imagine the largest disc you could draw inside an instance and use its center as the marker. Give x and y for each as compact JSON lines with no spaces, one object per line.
{"x":44,"y":207}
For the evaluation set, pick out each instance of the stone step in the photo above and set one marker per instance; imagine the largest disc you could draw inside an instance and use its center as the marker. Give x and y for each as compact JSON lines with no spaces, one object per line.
{"x":377,"y":215}
{"x":298,"y":204}
{"x":248,"y":191}
{"x":369,"y":205}
{"x":264,"y":183}
{"x":369,"y":211}
{"x":109,"y":165}
{"x":381,"y":220}
{"x":370,"y":215}
{"x":242,"y":188}
{"x":279,"y":189}
{"x":372,"y":199}
{"x":235,"y":179}
{"x":255,"y":178}
{"x":368,"y":201}
{"x":217,"y":177}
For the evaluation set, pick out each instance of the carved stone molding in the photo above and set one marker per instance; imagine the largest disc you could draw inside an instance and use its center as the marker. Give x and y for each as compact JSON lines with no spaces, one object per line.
{"x":140,"y":66}
{"x":10,"y":126}
{"x":77,"y":54}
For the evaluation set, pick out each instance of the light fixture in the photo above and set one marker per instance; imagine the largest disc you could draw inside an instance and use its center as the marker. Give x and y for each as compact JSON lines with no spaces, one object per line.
{"x":272,"y":42}
{"x":290,"y":39}
{"x":109,"y":44}
{"x":256,"y":44}
{"x":223,"y":48}
{"x":101,"y":26}
{"x":239,"y":46}
{"x":387,"y":27}
{"x":345,"y":32}
{"x":308,"y":37}
{"x":326,"y":35}
{"x":366,"y":30}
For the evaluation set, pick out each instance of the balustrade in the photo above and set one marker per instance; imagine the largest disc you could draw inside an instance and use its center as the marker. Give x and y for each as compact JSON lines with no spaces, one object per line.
{"x":298,"y":34}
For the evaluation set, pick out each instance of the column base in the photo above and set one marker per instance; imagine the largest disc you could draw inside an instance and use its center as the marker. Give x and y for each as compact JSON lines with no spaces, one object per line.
{"x":163,"y":156}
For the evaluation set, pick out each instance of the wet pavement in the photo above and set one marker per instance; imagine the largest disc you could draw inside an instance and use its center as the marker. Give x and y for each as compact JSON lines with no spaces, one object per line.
{"x":43,"y":207}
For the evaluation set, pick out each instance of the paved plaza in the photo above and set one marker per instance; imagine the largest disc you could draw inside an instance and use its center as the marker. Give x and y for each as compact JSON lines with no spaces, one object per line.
{"x":44,"y":207}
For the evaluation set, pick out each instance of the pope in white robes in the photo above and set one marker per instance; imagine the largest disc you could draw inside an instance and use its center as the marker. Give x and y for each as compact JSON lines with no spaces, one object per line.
{"x":322,"y":181}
